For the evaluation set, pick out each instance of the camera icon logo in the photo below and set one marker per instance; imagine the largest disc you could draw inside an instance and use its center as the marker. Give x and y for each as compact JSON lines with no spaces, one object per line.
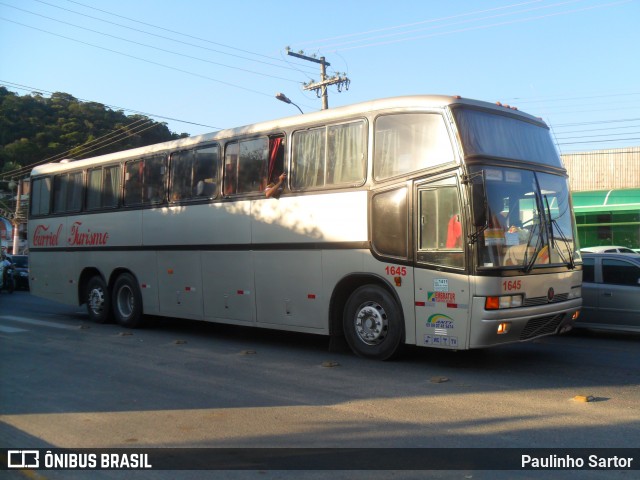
{"x":23,"y":459}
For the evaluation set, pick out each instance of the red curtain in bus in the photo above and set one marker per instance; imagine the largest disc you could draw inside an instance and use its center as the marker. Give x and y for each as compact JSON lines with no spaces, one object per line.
{"x":274,"y":147}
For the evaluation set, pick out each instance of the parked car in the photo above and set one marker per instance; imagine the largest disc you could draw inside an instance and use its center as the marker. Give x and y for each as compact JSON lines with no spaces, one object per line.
{"x":20,"y":271}
{"x":607,"y":249}
{"x":610,"y":292}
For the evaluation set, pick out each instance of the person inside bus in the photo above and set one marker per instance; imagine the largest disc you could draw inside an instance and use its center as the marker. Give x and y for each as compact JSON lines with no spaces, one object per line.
{"x":454,"y":232}
{"x":274,"y":190}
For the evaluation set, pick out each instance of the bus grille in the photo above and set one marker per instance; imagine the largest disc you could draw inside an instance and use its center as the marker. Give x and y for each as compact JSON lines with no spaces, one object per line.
{"x":530,"y":302}
{"x":541,"y":326}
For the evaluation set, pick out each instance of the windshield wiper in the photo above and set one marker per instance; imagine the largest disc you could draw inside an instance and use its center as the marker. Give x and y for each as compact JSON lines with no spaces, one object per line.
{"x":554,"y":223}
{"x":570,"y":263}
{"x":528,"y":264}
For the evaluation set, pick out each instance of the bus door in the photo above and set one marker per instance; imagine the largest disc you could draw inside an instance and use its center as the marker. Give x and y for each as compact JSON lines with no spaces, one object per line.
{"x":442,"y":293}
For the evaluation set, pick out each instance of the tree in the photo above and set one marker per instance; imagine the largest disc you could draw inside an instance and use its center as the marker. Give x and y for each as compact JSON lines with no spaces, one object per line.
{"x":34,"y":128}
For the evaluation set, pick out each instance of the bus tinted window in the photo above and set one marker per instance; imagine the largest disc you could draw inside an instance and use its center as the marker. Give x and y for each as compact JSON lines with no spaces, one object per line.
{"x":488,"y":134}
{"x":40,"y":196}
{"x":103,"y":185}
{"x":252,"y":166}
{"x":155,"y":169}
{"x":390,"y":223}
{"x":408,"y":142}
{"x":194,"y":174}
{"x":246,"y":166}
{"x":67,"y":192}
{"x":145,"y":181}
{"x":94,"y":189}
{"x":327,"y":156}
{"x":111,"y":186}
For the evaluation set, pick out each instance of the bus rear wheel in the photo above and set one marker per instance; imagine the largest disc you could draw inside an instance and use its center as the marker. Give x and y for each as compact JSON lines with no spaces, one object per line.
{"x":127,"y":301}
{"x":373,"y":324}
{"x":98,"y":300}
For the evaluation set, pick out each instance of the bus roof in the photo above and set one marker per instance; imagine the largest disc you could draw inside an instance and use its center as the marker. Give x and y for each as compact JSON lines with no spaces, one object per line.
{"x":412,"y":102}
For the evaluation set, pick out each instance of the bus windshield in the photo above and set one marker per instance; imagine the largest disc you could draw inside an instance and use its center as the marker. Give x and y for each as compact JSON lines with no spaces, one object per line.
{"x":494,"y":135}
{"x":529,"y":221}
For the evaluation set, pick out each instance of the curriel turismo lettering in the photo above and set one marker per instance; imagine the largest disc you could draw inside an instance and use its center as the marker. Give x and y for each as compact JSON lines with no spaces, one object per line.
{"x":87,"y":237}
{"x":42,"y":237}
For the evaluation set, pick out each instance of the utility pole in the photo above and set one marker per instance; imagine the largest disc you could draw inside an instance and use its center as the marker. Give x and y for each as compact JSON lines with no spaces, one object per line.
{"x":321,"y":86}
{"x":16,"y":223}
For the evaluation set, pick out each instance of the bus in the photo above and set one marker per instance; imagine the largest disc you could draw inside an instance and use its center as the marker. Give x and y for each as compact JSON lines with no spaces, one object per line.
{"x":436,"y":221}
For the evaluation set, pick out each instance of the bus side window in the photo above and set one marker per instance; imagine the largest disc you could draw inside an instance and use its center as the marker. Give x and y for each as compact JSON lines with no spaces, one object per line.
{"x":346,"y":160}
{"x":253,"y":165}
{"x":231,"y":168}
{"x":155,"y":169}
{"x":133,"y":182}
{"x":67,"y":192}
{"x":111,"y":186}
{"x":94,"y":188}
{"x":308,"y":160}
{"x":181,"y":175}
{"x":40,"y":196}
{"x":390,"y":223}
{"x":205,"y":172}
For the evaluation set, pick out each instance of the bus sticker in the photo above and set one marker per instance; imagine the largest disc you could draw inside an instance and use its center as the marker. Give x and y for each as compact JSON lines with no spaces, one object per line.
{"x":440,"y":285}
{"x":442,"y":297}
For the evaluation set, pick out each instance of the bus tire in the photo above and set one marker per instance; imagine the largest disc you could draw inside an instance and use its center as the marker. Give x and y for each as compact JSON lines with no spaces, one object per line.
{"x":127,"y":301}
{"x":98,"y":300}
{"x":373,"y":324}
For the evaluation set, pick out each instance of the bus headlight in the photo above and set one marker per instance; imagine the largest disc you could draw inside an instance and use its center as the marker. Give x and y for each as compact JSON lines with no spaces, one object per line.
{"x":506,"y":301}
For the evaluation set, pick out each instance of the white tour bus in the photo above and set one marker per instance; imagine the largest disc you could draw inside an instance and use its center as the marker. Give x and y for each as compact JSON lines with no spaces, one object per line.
{"x":423,"y":220}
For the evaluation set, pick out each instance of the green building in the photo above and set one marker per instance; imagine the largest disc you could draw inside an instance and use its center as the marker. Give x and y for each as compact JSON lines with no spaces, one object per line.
{"x":608,"y":217}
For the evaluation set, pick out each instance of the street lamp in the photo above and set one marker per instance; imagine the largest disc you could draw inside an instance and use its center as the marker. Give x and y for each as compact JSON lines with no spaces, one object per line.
{"x":283,"y":98}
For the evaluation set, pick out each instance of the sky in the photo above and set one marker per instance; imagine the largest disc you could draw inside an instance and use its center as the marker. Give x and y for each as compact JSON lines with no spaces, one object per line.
{"x":204,"y":65}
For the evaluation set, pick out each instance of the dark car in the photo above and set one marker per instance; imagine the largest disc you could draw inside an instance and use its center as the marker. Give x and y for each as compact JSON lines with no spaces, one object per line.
{"x":20,"y":271}
{"x":610,"y":292}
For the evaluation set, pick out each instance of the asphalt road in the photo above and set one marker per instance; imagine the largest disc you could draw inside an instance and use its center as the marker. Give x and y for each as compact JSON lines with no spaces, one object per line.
{"x":68,"y":383}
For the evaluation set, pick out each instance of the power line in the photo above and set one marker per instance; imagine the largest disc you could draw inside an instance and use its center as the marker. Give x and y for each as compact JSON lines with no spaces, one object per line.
{"x":83,"y":148}
{"x":599,"y":129}
{"x":565,"y":98}
{"x":286,"y":66}
{"x":478,"y":27}
{"x":597,"y":122}
{"x":253,"y":72}
{"x":140,"y":59}
{"x":349,"y":35}
{"x":596,"y":136}
{"x":173,"y":31}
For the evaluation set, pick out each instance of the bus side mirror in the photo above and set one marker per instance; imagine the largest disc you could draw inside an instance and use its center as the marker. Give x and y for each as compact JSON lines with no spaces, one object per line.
{"x":478,"y":204}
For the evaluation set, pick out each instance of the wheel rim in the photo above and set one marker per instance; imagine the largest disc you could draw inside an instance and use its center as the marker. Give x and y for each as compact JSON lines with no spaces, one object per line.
{"x":125,"y":302}
{"x":371,"y":323}
{"x":96,"y":301}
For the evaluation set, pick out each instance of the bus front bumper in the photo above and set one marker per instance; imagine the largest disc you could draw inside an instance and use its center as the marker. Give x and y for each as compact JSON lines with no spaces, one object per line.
{"x":511,"y":325}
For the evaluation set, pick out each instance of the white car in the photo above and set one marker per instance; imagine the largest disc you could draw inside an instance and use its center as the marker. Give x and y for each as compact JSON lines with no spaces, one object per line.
{"x":606,"y":249}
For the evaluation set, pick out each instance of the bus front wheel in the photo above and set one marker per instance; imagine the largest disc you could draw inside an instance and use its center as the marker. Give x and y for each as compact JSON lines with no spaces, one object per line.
{"x":127,"y":301}
{"x":373,"y":323}
{"x":98,"y":300}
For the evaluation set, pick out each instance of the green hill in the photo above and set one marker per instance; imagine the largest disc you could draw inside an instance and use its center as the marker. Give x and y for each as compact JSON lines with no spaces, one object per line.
{"x":34,"y":128}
